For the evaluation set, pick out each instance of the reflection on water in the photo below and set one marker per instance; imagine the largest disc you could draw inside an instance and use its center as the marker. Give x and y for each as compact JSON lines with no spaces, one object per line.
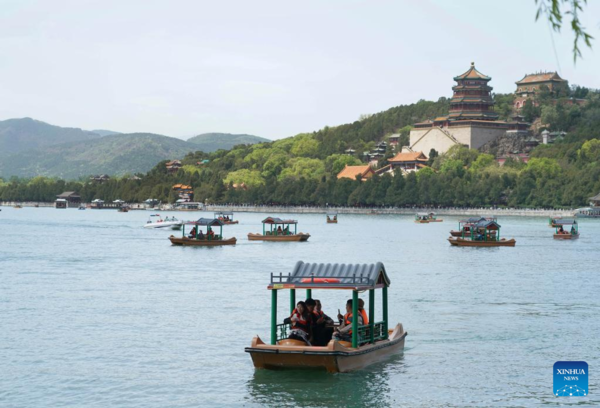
{"x":301,"y":388}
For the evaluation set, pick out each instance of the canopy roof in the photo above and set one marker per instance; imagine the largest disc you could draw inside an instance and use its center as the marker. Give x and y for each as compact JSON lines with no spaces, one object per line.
{"x":273,"y":220}
{"x":224,"y":213}
{"x":565,"y":222}
{"x":68,"y":194}
{"x":595,"y":198}
{"x":472,"y":220}
{"x":210,"y":222}
{"x":489,"y":224}
{"x":332,"y":276}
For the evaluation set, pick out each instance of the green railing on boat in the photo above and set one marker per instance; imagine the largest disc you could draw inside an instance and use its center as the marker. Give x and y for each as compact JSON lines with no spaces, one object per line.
{"x":364,"y":332}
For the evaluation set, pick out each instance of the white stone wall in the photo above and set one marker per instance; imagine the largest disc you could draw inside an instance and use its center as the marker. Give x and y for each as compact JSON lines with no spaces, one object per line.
{"x":435,"y":139}
{"x":471,"y":136}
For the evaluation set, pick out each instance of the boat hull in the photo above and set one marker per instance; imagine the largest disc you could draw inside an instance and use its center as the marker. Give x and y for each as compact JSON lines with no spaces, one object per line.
{"x":566,"y":236}
{"x":184,"y":241}
{"x":230,"y":222}
{"x":456,"y":233}
{"x":436,"y":220}
{"x":422,"y":221}
{"x":335,"y":358}
{"x":286,"y":238}
{"x":467,"y":242}
{"x":331,"y":221}
{"x":171,"y":225}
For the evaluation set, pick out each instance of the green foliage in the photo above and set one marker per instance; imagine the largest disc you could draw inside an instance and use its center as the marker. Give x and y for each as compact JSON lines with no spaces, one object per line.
{"x":251,"y":178}
{"x":554,"y":12}
{"x":305,"y":168}
{"x":305,"y":146}
{"x":336,"y":163}
{"x":590,"y":151}
{"x":211,"y":142}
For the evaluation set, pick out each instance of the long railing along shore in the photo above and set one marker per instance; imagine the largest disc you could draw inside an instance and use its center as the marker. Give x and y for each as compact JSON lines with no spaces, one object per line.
{"x":275,"y":209}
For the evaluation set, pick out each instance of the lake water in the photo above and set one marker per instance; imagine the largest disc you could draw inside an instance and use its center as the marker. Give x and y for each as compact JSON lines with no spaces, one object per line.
{"x":97,"y":311}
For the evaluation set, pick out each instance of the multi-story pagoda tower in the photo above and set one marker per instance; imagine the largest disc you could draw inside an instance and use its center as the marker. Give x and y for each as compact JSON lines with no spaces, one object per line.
{"x":472,"y":99}
{"x":470,"y":122}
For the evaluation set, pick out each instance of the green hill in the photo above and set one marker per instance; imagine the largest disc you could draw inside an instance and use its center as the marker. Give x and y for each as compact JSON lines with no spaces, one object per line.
{"x":113,"y":155}
{"x":104,"y":132}
{"x":211,"y":142}
{"x":17,"y":135}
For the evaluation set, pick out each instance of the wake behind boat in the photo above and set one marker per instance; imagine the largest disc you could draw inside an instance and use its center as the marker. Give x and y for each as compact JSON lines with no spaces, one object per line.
{"x":156,"y":221}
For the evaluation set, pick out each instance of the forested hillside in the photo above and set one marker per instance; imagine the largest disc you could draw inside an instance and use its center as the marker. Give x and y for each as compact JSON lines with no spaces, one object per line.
{"x":302,"y":169}
{"x":17,"y":135}
{"x":211,"y":142}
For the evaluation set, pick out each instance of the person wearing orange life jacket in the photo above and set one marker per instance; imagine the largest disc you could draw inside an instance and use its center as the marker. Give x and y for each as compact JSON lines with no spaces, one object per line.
{"x":362,"y":311}
{"x":301,"y":323}
{"x":344,"y":332}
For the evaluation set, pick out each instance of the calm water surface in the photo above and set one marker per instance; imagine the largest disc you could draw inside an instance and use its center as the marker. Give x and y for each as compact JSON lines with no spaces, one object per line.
{"x":97,"y":311}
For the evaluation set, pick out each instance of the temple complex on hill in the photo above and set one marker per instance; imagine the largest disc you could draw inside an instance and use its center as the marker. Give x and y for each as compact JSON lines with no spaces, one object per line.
{"x":471,"y":122}
{"x":531,"y":84}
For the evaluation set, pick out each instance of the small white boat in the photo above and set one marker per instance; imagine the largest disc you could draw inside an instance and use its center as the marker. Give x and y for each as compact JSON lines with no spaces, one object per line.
{"x":156,"y":221}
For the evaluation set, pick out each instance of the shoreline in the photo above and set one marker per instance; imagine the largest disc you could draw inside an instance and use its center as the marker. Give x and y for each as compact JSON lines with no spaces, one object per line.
{"x":511,"y":212}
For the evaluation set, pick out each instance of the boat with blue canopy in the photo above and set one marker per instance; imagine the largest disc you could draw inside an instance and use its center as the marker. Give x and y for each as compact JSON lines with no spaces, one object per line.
{"x":484,"y":233}
{"x":564,"y":232}
{"x":197,"y":237}
{"x":226,"y":217}
{"x":370,"y":343}
{"x":279,"y":230}
{"x":332,"y":218}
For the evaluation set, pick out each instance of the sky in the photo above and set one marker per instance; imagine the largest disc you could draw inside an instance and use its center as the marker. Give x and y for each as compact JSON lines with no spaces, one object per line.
{"x":269,"y":68}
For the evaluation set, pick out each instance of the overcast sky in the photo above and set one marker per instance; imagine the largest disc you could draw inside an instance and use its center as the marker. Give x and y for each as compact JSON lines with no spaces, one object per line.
{"x":269,"y":68}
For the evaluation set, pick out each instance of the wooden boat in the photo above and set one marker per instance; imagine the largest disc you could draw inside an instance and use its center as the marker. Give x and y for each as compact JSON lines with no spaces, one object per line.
{"x":468,"y":242}
{"x":332,"y":218}
{"x":422,"y":218}
{"x":484,"y":233}
{"x":277,"y":232}
{"x":226,"y":217}
{"x":123,"y":209}
{"x":560,"y":232}
{"x":199,"y":238}
{"x":370,"y":343}
{"x":17,"y":206}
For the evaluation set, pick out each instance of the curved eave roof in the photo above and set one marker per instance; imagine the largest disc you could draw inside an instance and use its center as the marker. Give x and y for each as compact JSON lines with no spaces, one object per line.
{"x":206,"y":222}
{"x":273,"y":220}
{"x":472,"y":73}
{"x":342,"y":276}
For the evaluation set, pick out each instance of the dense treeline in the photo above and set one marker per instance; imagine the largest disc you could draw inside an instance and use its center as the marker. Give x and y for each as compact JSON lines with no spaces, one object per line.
{"x":302,"y":170}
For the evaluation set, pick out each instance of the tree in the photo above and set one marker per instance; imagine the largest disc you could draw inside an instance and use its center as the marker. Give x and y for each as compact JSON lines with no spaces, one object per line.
{"x":553,"y":11}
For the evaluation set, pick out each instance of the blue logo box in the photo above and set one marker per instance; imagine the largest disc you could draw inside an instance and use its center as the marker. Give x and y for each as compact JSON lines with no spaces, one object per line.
{"x":570,"y":379}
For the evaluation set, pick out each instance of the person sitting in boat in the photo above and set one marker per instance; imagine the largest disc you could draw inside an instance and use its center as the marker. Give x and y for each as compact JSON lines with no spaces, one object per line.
{"x":192,"y":233}
{"x":279,"y":230}
{"x":322,"y":330}
{"x":301,"y":322}
{"x":561,"y":230}
{"x":344,"y":332}
{"x":210,"y":234}
{"x":200,"y":235}
{"x":362,"y":311}
{"x":286,"y":230}
{"x":573,"y":231}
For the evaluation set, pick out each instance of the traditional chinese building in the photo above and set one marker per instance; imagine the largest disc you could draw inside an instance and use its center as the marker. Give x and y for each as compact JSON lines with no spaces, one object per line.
{"x":408,"y":161}
{"x":173,"y":166}
{"x":351,"y":172}
{"x":531,"y":84}
{"x":471,"y":122}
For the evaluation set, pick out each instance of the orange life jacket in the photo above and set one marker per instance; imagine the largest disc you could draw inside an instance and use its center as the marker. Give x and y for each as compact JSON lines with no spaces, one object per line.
{"x":363,"y":313}
{"x":348,"y":321}
{"x":301,"y":324}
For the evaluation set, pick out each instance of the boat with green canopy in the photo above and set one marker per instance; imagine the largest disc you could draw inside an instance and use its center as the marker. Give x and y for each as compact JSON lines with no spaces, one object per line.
{"x":371,"y":343}
{"x":226,"y":217}
{"x":278,"y":230}
{"x":484,"y":233}
{"x":197,"y":237}
{"x":562,"y":233}
{"x":332,"y":218}
{"x":464,"y":226}
{"x":433,"y":217}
